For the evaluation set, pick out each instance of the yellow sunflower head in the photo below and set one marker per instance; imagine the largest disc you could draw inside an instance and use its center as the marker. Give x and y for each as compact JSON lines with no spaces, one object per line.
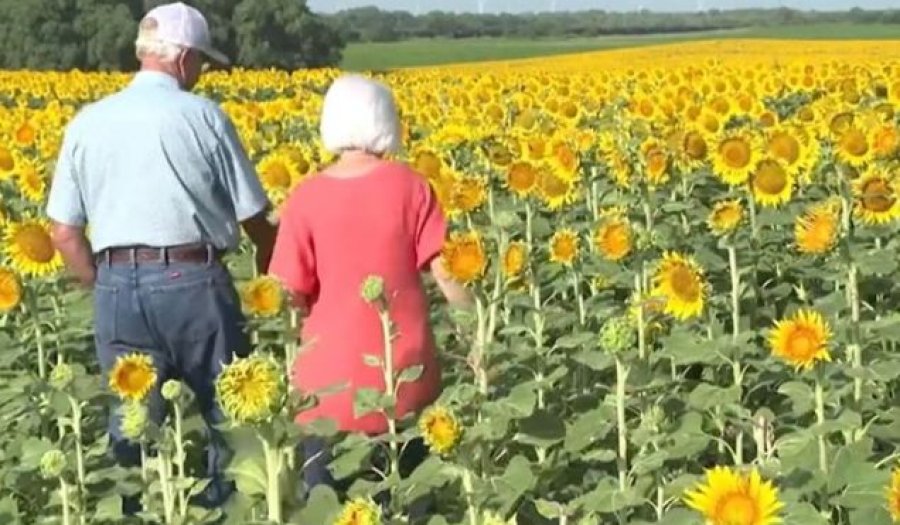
{"x":885,"y":140}
{"x":514,"y":260}
{"x":727,"y":497}
{"x":251,"y":390}
{"x":10,"y":290}
{"x":564,"y":247}
{"x":892,"y":494}
{"x":680,"y":281}
{"x":440,"y":429}
{"x":262,"y":296}
{"x":31,"y":182}
{"x":25,"y":135}
{"x":802,"y":339}
{"x":725,"y":217}
{"x":278,"y":173}
{"x":555,"y":189}
{"x":614,"y":238}
{"x":655,"y":161}
{"x":521,"y":178}
{"x":30,"y":248}
{"x":853,"y":148}
{"x":877,"y":197}
{"x":469,"y":194}
{"x":771,"y":183}
{"x":428,"y":164}
{"x":816,"y":231}
{"x":133,"y":376}
{"x":464,"y":256}
{"x":734,"y":158}
{"x":359,"y":511}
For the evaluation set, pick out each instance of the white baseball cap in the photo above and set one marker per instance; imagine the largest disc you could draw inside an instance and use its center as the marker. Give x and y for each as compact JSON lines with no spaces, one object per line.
{"x":180,"y":24}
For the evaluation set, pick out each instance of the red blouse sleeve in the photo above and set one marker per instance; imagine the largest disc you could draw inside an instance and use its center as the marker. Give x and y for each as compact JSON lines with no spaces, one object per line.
{"x":294,"y":256}
{"x":431,"y":227}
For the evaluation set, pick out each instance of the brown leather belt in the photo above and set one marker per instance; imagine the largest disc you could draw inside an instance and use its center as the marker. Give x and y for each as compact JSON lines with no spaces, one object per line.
{"x":198,"y":253}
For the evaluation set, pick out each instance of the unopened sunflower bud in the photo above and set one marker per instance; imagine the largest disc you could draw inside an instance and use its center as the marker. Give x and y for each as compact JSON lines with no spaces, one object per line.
{"x":617,"y":335}
{"x":654,"y":418}
{"x":647,"y":239}
{"x":61,"y":376}
{"x":372,"y":288}
{"x":134,"y":421}
{"x":53,"y":463}
{"x":171,"y":390}
{"x":506,"y":219}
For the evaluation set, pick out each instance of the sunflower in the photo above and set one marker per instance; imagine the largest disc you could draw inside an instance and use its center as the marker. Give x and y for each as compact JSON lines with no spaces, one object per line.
{"x":694,"y":150}
{"x":30,"y":248}
{"x":729,"y":498}
{"x":734,"y":158}
{"x":816,"y":231}
{"x":359,"y":511}
{"x":469,"y":194}
{"x":251,"y":390}
{"x":31,"y":182}
{"x":655,"y":161}
{"x":564,"y":247}
{"x":853,"y":148}
{"x":792,"y":147}
{"x":614,"y":238}
{"x":877,"y":197}
{"x":771,"y":183}
{"x":428,"y":164}
{"x":133,"y":376}
{"x":801,"y":340}
{"x":262,"y":296}
{"x":464,"y":257}
{"x":278,"y":173}
{"x":514,"y":259}
{"x":10,"y":290}
{"x":554,"y":189}
{"x":679,"y":279}
{"x":725,"y":217}
{"x":885,"y":140}
{"x":893,"y":495}
{"x":440,"y":429}
{"x":7,"y":163}
{"x":563,"y":158}
{"x":521,"y":178}
{"x":25,"y":135}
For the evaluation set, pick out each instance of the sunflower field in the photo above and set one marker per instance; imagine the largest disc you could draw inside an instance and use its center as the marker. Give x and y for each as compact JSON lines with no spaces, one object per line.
{"x":686,"y":266}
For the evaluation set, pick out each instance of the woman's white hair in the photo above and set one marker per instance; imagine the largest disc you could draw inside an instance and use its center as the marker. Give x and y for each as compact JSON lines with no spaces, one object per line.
{"x":360,"y":114}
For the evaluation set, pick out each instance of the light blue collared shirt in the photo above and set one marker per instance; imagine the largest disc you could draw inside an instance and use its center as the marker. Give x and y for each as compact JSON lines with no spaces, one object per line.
{"x":157,"y":166}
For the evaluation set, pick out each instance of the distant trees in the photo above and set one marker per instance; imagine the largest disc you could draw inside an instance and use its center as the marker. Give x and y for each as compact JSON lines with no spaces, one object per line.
{"x":370,"y":24}
{"x":99,"y":34}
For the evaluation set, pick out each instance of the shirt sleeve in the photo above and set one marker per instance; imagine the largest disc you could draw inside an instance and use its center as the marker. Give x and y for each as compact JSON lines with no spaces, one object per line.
{"x":237,"y":172}
{"x":65,"y":203}
{"x":294,"y":255}
{"x":431,"y":227}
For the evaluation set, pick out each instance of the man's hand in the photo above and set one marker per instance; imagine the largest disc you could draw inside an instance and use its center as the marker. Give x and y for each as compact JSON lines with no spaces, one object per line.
{"x":262,"y":234}
{"x":76,"y":252}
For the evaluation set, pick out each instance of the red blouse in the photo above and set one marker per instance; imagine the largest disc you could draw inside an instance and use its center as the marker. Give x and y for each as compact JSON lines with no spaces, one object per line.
{"x":335,"y":232}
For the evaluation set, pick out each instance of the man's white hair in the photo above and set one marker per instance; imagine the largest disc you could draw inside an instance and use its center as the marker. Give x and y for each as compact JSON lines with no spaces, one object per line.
{"x":147,"y":44}
{"x":360,"y":114}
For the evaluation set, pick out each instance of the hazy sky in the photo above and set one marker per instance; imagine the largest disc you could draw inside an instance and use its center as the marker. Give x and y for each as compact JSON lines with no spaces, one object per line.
{"x":608,"y":5}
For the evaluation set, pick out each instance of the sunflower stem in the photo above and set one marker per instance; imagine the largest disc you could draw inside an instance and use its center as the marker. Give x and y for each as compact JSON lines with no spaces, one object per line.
{"x":64,"y":500}
{"x":641,"y":329}
{"x":273,"y":480}
{"x":481,"y":379}
{"x":737,"y":372}
{"x":622,"y":460}
{"x":145,"y":477}
{"x":820,"y":419}
{"x":469,"y":489}
{"x":163,"y":467}
{"x":576,"y":288}
{"x":180,"y":459}
{"x":79,"y":446}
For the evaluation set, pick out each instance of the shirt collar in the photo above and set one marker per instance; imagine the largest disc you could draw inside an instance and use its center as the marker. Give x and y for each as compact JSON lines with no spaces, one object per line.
{"x":155,"y":78}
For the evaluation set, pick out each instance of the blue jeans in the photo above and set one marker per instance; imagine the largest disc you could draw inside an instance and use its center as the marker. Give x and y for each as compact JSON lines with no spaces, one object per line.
{"x":187,"y":317}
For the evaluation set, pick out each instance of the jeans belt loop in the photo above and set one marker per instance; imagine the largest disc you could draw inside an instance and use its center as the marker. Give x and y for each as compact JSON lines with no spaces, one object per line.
{"x":210,"y":252}
{"x":132,"y":253}
{"x":164,"y":255}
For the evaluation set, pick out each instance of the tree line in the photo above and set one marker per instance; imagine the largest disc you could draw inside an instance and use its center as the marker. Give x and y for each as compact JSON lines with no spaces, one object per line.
{"x":285,"y":34}
{"x":369,"y":24}
{"x":100,"y":34}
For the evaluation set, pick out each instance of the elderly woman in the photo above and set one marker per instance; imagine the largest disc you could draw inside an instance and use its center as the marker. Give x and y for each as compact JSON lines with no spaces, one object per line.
{"x":361,"y":216}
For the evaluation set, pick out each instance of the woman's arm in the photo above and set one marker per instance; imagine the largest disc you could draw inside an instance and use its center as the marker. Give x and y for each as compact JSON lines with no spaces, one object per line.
{"x":456,"y":294}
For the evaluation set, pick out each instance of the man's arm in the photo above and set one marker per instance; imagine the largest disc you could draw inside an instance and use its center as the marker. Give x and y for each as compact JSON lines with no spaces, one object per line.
{"x":262,"y":234}
{"x":76,"y":251}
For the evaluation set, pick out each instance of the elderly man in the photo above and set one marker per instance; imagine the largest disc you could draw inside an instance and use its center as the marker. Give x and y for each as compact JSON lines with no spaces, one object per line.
{"x":160,"y":176}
